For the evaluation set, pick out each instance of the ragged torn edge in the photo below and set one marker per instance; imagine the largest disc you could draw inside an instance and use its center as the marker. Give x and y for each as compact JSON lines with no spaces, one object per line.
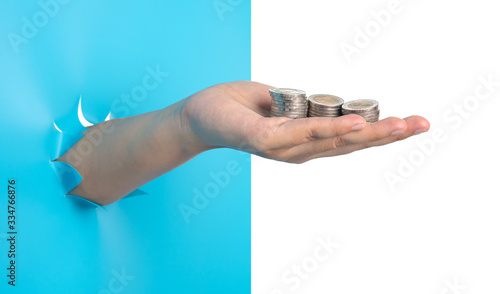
{"x":65,"y":133}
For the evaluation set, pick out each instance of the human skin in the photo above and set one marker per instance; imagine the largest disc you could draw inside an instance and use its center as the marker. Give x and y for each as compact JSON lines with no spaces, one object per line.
{"x":138,"y":149}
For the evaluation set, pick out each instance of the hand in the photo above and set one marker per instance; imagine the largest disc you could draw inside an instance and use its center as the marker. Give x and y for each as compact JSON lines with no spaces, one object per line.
{"x":236,"y":115}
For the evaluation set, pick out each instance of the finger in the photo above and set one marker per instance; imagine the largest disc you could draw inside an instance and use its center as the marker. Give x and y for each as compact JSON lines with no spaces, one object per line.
{"x":371,"y":132}
{"x":415,"y":125}
{"x":390,"y":126}
{"x":294,"y":132}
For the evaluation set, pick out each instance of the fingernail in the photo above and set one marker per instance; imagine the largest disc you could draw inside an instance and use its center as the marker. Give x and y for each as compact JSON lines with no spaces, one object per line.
{"x":398,"y":132}
{"x":358,"y":127}
{"x":419,"y":131}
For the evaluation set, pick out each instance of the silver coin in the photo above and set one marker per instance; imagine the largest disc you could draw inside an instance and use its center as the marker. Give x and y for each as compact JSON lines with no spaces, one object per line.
{"x":361,"y":110}
{"x":291,"y":99}
{"x":312,"y":106}
{"x":360,"y":113}
{"x":286,"y":92}
{"x":324,"y":105}
{"x":290,"y":106}
{"x":289,"y":116}
{"x":288,"y":96}
{"x":366,"y":108}
{"x":325,"y":100}
{"x":361,"y":105}
{"x":302,"y":99}
{"x":291,"y":102}
{"x":289,"y":112}
{"x":371,"y":118}
{"x":325,"y":109}
{"x":324,"y":113}
{"x":370,"y":112}
{"x":364,"y":114}
{"x":303,"y":105}
{"x":288,"y":102}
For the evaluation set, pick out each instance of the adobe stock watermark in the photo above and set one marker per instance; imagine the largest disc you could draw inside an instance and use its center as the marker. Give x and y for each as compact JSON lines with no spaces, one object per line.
{"x":92,"y":138}
{"x":202,"y":197}
{"x":223,"y":6}
{"x":452,"y":286}
{"x":294,"y":276}
{"x":127,"y":101}
{"x":118,"y":282}
{"x":454,"y":118}
{"x":32,"y":25}
{"x":364,"y":34}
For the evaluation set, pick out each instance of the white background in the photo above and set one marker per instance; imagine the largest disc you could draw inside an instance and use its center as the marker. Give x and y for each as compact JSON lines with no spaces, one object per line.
{"x":438,"y":228}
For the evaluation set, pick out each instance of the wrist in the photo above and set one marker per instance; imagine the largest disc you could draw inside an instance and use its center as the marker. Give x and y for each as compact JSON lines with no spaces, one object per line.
{"x":176,"y":119}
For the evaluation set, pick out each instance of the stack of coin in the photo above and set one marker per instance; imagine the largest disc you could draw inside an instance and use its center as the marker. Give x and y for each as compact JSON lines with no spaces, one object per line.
{"x":290,"y":103}
{"x":325,"y":105}
{"x":366,"y":108}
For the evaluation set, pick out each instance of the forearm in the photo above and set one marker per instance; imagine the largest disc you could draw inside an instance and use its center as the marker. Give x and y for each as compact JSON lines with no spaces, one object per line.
{"x":132,"y":151}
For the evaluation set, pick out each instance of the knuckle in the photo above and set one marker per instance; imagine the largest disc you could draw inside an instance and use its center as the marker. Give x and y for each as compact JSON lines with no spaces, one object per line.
{"x":312,"y":134}
{"x":337,"y":141}
{"x":401,"y":124}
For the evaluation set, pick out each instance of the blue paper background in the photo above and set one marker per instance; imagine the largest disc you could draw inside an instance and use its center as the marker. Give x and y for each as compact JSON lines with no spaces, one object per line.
{"x":100,"y":50}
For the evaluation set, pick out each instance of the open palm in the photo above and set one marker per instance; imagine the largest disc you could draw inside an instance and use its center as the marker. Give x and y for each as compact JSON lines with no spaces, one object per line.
{"x":236,"y":115}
